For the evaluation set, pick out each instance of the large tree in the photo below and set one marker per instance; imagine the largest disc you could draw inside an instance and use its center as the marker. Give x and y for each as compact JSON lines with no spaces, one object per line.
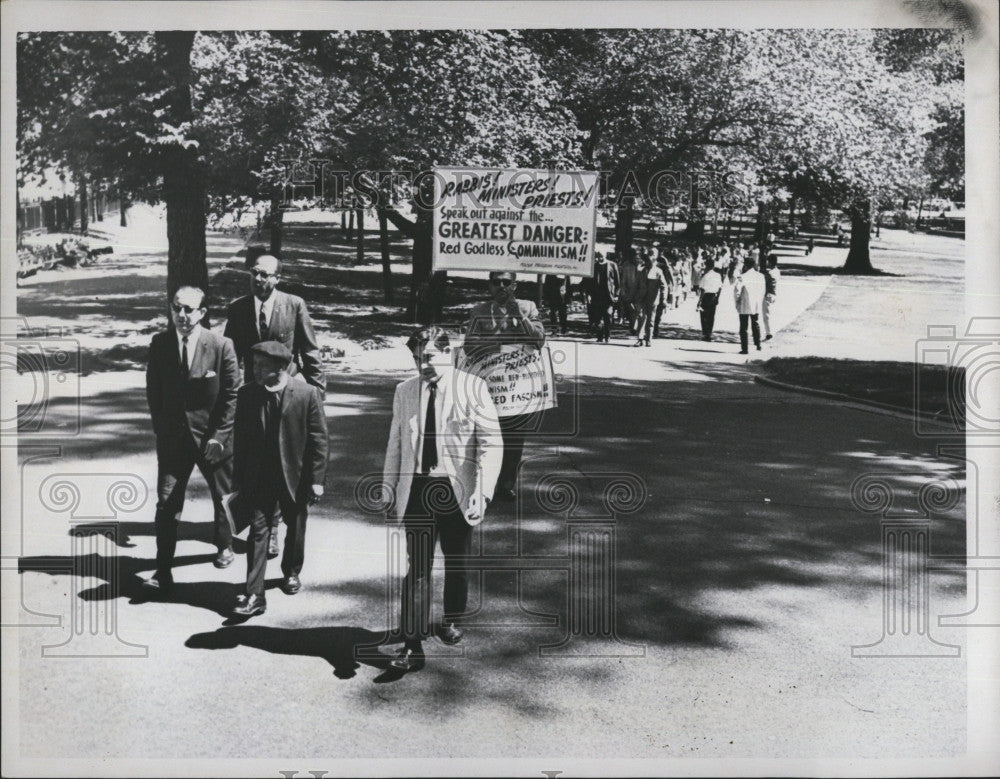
{"x":121,"y":103}
{"x":262,"y":103}
{"x":852,"y":126}
{"x":648,"y":102}
{"x":431,"y":98}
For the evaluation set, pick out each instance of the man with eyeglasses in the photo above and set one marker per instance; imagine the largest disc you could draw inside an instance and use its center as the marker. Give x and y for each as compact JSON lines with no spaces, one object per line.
{"x":268,"y":314}
{"x":494,"y":323}
{"x":191,"y":383}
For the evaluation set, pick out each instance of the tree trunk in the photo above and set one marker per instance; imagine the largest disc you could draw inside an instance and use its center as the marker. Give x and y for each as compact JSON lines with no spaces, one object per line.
{"x":183,"y":177}
{"x":276,"y":223}
{"x":383,"y":234}
{"x":791,"y":213}
{"x":761,"y":225}
{"x":350,"y":223}
{"x":623,"y":228}
{"x":859,"y":259}
{"x":122,"y":208}
{"x":920,"y":210}
{"x":361,"y":237}
{"x":422,"y":303}
{"x":81,"y":182}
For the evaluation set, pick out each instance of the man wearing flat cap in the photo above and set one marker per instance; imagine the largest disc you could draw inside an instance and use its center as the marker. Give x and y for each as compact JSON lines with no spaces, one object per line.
{"x":279,"y":460}
{"x":268,"y":314}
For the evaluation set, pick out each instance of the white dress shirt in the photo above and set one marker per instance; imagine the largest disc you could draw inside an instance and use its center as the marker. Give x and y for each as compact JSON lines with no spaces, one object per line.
{"x":267,"y":306}
{"x":192,"y":342}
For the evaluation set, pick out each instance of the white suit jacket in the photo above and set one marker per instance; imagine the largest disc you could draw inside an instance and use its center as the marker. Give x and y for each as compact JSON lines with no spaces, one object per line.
{"x":470,"y":446}
{"x":749,"y":292}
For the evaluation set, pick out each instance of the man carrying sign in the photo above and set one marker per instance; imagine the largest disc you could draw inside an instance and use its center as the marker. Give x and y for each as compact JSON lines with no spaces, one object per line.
{"x":492,"y":324}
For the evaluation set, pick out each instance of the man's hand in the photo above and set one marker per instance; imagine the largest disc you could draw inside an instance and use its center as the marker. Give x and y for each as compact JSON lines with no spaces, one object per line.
{"x":213,"y":451}
{"x":476,"y":508}
{"x":317,"y":493}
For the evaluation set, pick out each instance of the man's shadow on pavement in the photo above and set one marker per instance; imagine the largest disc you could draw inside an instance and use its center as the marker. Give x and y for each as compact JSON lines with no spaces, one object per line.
{"x":335,"y":644}
{"x":121,"y":579}
{"x":186,"y":531}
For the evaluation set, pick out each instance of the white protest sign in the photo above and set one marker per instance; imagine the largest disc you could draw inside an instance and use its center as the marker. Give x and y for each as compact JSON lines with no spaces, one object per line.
{"x":538,"y":221}
{"x":519,"y":377}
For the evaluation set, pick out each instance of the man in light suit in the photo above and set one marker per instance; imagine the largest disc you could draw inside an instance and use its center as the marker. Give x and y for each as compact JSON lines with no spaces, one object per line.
{"x":191,"y":383}
{"x":749,"y":289}
{"x":280,"y":449}
{"x":268,"y":314}
{"x":441,"y":466}
{"x":505,"y":320}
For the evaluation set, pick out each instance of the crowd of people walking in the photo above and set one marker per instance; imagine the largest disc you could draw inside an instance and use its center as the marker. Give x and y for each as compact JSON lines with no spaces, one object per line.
{"x":635,"y":291}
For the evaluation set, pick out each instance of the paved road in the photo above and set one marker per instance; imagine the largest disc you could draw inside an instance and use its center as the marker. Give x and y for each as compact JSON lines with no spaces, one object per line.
{"x":744,"y":574}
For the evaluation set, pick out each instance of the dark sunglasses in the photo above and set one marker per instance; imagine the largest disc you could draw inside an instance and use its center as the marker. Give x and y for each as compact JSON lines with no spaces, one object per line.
{"x":186,"y":309}
{"x":261,"y":274}
{"x":501,"y":282}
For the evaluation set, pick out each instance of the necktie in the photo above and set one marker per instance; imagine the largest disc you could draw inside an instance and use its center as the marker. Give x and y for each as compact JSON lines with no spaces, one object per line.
{"x":262,"y":325}
{"x":185,"y":366}
{"x":429,"y":455}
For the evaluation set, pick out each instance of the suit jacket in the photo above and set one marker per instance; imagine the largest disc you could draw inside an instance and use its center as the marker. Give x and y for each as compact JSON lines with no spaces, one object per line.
{"x":629,"y":274}
{"x":649,"y":290}
{"x":605,"y":284}
{"x":290,"y":324}
{"x":482,"y":338}
{"x":749,"y":292}
{"x":469,"y":441}
{"x":302,"y":439}
{"x":197,"y":408}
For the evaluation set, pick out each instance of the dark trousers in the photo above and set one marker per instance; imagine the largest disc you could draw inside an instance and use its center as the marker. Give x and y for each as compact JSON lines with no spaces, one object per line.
{"x":295,"y":513}
{"x":648,"y":310}
{"x":557,"y":312}
{"x":709,"y":300}
{"x":600,"y":312}
{"x":514,"y":430}
{"x":173,"y":472}
{"x":750,"y":319}
{"x":432,"y":513}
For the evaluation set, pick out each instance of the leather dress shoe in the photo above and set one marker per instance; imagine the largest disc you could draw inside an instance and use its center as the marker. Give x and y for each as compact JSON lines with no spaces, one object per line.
{"x":408,"y":660}
{"x":505,"y":493}
{"x":248,"y":606}
{"x":291,"y":585}
{"x":225,"y":558}
{"x":450,"y":633}
{"x":158,"y":582}
{"x":272,"y":544}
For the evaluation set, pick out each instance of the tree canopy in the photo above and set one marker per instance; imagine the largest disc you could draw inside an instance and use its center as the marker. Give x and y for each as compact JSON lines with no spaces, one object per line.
{"x":206,"y":122}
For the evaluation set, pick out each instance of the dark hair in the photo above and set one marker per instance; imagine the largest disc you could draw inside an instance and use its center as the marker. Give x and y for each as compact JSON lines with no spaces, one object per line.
{"x":772,"y":261}
{"x":253,"y":252}
{"x":432,"y":334}
{"x":495,"y":273}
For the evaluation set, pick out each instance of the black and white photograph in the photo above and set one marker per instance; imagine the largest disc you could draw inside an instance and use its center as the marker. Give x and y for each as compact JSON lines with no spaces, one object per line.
{"x":500,"y":388}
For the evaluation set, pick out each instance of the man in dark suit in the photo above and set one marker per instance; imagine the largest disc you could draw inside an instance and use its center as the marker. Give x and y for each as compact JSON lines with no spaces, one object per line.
{"x":280,"y":446}
{"x":268,"y":314}
{"x":191,"y":383}
{"x":602,"y":296}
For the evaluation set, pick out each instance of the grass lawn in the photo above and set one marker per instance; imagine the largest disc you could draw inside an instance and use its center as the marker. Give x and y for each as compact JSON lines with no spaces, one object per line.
{"x":933,"y":389}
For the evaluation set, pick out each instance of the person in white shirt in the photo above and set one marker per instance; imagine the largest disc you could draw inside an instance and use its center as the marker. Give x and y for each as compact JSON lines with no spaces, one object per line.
{"x":710,"y":285}
{"x":442,"y":463}
{"x":749,"y":290}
